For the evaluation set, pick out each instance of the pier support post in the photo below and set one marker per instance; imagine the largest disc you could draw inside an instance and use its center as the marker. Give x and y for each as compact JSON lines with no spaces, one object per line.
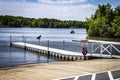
{"x":10,"y":40}
{"x":24,"y":55}
{"x":38,"y":57}
{"x":10,"y":48}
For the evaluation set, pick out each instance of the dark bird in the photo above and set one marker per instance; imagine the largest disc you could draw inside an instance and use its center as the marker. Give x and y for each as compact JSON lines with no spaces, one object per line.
{"x":72,"y":32}
{"x":39,"y":37}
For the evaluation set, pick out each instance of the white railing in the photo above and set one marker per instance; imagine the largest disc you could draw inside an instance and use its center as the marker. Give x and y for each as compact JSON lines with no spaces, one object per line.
{"x":103,"y":48}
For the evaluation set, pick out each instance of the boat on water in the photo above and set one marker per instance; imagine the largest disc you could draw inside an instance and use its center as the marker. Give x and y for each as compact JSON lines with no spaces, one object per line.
{"x":72,"y":32}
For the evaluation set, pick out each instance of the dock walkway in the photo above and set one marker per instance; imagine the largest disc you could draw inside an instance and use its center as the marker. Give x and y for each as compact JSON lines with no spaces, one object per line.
{"x":105,"y":42}
{"x":59,"y":53}
{"x":64,"y":54}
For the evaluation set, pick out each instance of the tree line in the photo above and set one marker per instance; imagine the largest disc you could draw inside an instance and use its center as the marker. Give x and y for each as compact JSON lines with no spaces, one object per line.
{"x":18,"y":21}
{"x":105,"y":22}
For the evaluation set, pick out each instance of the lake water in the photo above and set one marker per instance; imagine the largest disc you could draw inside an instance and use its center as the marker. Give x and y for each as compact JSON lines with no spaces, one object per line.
{"x":11,"y":56}
{"x":58,"y":38}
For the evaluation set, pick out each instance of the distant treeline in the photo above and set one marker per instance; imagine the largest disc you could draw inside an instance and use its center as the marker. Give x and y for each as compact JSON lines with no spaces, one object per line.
{"x":17,"y":21}
{"x":105,"y":22}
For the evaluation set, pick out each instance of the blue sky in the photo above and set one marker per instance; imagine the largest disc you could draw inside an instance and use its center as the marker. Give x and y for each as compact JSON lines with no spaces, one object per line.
{"x":58,"y":9}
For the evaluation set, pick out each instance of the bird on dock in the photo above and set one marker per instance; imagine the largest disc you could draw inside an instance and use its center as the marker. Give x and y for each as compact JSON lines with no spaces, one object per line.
{"x":39,"y":37}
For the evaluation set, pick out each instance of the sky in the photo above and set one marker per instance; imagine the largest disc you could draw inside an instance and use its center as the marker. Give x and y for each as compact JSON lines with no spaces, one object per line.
{"x":57,"y":9}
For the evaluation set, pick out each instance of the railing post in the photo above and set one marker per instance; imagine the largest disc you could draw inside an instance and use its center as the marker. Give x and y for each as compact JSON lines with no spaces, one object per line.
{"x":111,"y":50}
{"x":24,"y":42}
{"x":48,"y":51}
{"x":92,"y":49}
{"x":63,"y":44}
{"x":101,"y":48}
{"x":10,"y":40}
{"x":38,"y":41}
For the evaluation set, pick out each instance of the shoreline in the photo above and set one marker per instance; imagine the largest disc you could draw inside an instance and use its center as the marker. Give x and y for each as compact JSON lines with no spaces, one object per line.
{"x":54,"y":70}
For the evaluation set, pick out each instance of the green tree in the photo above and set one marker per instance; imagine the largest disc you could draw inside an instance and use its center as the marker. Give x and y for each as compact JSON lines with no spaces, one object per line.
{"x":105,"y":22}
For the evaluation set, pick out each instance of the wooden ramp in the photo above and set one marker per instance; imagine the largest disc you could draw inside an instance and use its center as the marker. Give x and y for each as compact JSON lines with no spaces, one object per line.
{"x":98,"y":41}
{"x":105,"y":42}
{"x":109,"y":48}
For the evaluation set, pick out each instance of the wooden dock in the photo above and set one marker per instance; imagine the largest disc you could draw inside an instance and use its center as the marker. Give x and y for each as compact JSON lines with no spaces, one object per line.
{"x":63,"y":54}
{"x":59,"y":53}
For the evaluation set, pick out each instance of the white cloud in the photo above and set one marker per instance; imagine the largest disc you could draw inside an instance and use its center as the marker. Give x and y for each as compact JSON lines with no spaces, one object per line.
{"x":62,"y":1}
{"x":39,"y":10}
